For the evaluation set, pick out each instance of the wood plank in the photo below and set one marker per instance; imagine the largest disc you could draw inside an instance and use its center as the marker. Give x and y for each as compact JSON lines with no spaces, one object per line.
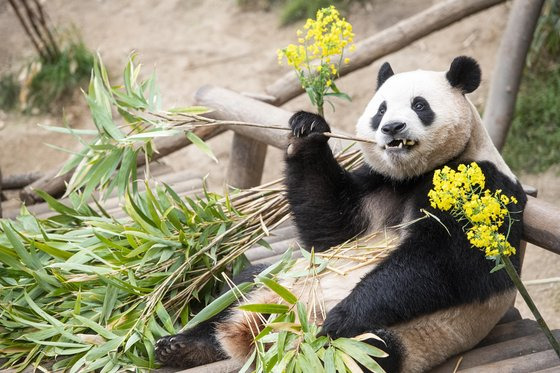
{"x":527,"y":363}
{"x":498,"y":352}
{"x":282,"y":233}
{"x":511,"y":315}
{"x":510,"y":330}
{"x":260,"y":252}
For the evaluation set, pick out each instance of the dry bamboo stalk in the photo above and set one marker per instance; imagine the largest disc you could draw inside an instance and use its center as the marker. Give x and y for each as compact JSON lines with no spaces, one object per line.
{"x":214,"y":122}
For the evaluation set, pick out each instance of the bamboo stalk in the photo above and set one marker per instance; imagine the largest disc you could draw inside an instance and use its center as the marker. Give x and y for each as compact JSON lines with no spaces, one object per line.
{"x":527,"y":298}
{"x":213,"y":122}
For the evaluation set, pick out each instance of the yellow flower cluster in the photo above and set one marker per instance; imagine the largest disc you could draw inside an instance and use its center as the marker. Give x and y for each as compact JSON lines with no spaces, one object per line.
{"x":324,"y":37}
{"x":462,"y":193}
{"x":452,"y":187}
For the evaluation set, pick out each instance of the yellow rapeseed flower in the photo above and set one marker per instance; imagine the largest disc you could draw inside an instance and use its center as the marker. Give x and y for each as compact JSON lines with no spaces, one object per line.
{"x":462,"y":193}
{"x":322,"y":38}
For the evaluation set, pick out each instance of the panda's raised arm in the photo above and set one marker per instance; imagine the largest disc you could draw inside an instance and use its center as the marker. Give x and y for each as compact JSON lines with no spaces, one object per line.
{"x":325,"y":199}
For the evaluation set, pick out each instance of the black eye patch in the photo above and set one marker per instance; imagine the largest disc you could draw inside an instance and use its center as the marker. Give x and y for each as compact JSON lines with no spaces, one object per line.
{"x":379,"y":115}
{"x":423,"y":110}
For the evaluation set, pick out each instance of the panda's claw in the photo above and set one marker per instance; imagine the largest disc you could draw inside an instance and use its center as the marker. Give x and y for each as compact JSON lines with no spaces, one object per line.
{"x":304,"y":124}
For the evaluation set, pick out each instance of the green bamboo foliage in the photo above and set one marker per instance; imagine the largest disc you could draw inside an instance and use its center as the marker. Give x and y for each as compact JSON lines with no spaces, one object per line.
{"x":90,"y":292}
{"x":128,"y":118}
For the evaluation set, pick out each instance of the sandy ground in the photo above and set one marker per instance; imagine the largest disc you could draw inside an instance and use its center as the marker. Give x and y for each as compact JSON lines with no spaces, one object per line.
{"x":192,"y":43}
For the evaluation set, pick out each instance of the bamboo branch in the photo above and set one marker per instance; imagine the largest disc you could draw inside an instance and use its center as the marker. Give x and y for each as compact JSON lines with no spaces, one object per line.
{"x":213,"y":122}
{"x":527,"y":298}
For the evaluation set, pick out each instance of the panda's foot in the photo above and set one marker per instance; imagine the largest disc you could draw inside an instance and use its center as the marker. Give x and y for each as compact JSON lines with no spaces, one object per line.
{"x":304,"y":124}
{"x":187,"y":351}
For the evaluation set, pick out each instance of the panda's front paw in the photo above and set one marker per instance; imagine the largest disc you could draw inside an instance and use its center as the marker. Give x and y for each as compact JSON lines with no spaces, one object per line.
{"x":304,"y":124}
{"x":342,"y":322}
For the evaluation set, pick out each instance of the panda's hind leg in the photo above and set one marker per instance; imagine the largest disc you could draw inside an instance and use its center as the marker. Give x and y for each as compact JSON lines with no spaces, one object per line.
{"x":197,"y":346}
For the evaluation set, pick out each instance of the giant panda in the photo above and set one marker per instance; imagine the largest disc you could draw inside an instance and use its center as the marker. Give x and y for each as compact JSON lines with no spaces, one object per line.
{"x":433,"y":296}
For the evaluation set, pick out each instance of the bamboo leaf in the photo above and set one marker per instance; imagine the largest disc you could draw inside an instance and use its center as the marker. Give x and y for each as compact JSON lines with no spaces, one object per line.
{"x":200,"y":144}
{"x":264,"y":308}
{"x":360,"y":352}
{"x":287,"y":295}
{"x":96,"y":327}
{"x":219,"y":304}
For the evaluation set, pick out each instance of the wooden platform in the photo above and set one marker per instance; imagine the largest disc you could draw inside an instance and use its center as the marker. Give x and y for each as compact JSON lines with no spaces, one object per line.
{"x":513,"y":346}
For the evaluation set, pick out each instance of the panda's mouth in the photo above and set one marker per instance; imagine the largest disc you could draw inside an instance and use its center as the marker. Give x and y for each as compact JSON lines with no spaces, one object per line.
{"x":400,"y":144}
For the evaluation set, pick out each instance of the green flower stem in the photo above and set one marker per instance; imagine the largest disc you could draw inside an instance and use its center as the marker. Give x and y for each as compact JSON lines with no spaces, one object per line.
{"x":320,"y":111}
{"x":527,"y":298}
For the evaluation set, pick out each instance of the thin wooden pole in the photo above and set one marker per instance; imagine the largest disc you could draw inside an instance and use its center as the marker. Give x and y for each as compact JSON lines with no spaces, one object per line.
{"x":508,"y":69}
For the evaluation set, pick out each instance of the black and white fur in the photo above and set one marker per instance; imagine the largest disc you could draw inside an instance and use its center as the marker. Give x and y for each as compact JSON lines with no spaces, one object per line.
{"x":433,"y":296}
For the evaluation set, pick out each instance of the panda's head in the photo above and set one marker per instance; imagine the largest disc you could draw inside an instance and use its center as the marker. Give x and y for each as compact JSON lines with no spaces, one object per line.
{"x":420,"y":119}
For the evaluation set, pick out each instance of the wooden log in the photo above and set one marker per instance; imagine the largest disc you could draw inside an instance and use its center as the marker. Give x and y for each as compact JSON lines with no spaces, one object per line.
{"x":246,"y":162}
{"x":541,"y":224}
{"x":56,"y":185}
{"x":230,"y":105}
{"x":508,"y":69}
{"x":390,"y":40}
{"x":19,"y":181}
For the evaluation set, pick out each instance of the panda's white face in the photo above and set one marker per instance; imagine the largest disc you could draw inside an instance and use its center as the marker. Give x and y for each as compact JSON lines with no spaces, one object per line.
{"x":419,"y":122}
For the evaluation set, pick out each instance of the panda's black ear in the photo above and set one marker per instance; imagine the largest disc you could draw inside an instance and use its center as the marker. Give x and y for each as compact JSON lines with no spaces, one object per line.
{"x":385,"y":72}
{"x":464,"y":74}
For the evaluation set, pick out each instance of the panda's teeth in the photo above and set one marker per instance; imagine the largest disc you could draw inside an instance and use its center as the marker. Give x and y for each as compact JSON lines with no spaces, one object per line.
{"x":400,"y":144}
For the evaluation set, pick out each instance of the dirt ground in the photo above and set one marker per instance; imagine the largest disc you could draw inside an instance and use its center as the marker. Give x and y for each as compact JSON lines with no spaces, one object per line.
{"x":192,"y":43}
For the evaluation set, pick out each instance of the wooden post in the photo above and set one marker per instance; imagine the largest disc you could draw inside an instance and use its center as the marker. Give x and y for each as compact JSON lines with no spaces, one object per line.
{"x":246,"y":162}
{"x":508,"y":69}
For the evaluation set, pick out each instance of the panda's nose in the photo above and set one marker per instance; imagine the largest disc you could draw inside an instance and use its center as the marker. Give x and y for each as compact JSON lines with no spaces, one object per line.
{"x":393,"y":128}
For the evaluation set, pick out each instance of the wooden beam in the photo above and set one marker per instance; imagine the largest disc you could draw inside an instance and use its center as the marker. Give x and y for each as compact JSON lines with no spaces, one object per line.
{"x":19,"y":181}
{"x":390,"y":40}
{"x":508,"y":68}
{"x":230,"y":105}
{"x":541,"y":224}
